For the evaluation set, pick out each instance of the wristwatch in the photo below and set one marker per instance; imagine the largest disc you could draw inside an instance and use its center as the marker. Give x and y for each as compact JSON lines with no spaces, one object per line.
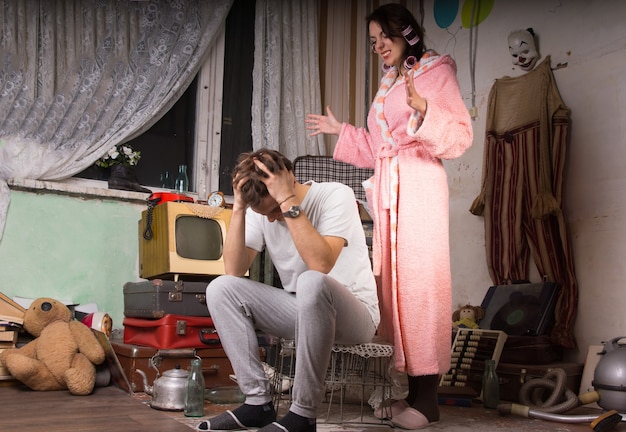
{"x":293,"y":212}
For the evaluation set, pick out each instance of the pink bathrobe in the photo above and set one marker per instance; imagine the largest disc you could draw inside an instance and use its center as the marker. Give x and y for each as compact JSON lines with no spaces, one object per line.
{"x":412,"y":256}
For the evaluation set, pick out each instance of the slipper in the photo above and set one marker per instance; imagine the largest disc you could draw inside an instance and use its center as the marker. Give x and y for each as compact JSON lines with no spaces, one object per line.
{"x":390,"y":408}
{"x":410,"y":418}
{"x":226,"y":421}
{"x":244,"y":417}
{"x":274,"y":427}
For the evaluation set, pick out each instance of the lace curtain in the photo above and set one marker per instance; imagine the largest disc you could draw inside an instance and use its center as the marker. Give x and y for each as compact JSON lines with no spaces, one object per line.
{"x":286,"y":83}
{"x":78,"y":77}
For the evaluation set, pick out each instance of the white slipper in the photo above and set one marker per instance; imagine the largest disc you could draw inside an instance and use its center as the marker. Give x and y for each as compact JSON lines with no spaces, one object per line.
{"x":410,"y":418}
{"x":390,"y":408}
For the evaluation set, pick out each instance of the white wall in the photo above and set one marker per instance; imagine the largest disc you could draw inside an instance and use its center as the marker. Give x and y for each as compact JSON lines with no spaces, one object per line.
{"x":590,"y":36}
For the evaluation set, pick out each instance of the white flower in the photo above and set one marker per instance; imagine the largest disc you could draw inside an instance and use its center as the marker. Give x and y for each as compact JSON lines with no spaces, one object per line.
{"x":122,"y":154}
{"x":113,"y":153}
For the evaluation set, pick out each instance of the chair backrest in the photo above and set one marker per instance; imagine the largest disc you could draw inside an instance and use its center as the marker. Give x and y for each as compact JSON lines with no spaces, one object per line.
{"x":327,"y":169}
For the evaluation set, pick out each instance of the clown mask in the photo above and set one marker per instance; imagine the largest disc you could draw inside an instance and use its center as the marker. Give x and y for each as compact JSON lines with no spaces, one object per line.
{"x":522,"y":48}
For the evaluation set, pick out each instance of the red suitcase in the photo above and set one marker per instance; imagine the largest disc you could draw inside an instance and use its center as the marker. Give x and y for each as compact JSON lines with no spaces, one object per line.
{"x":171,"y":331}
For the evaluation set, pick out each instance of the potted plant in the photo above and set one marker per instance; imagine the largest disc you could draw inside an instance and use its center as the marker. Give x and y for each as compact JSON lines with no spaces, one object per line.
{"x":122,"y":160}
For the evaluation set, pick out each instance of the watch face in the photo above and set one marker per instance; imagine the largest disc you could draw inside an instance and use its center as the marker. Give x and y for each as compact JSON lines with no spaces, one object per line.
{"x":293,"y":212}
{"x":216,"y":199}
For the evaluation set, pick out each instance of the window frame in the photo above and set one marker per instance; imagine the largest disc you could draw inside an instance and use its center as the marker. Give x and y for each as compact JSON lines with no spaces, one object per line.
{"x":208,"y":131}
{"x":207,"y":136}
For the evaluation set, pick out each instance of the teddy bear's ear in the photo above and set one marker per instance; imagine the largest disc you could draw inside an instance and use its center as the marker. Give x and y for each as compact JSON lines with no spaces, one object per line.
{"x":43,"y":311}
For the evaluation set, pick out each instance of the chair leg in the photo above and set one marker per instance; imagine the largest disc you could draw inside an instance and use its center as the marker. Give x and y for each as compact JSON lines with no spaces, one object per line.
{"x":349,"y":367}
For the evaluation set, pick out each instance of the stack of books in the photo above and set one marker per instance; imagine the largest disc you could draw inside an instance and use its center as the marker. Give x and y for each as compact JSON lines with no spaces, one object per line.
{"x":11,"y":321}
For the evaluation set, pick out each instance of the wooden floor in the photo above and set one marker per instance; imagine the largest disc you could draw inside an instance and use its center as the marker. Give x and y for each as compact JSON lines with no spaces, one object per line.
{"x":107,"y":409}
{"x":112,"y":409}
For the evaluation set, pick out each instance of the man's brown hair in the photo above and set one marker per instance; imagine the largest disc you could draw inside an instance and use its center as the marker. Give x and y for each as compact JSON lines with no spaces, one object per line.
{"x":254,"y":190}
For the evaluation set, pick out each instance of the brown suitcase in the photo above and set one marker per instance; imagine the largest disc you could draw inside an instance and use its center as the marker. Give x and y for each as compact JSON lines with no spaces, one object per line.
{"x":216,"y":367}
{"x":538,"y":350}
{"x":513,"y":376}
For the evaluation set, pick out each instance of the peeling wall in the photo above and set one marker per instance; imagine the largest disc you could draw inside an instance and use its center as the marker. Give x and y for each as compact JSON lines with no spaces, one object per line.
{"x":589,"y":39}
{"x":70,"y":249}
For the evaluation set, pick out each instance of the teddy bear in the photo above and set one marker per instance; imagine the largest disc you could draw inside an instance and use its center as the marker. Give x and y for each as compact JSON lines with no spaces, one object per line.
{"x":467,"y":317}
{"x":63,"y":354}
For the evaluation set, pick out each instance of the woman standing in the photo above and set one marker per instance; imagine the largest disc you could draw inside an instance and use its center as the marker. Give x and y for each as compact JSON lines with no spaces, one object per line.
{"x":417,"y":119}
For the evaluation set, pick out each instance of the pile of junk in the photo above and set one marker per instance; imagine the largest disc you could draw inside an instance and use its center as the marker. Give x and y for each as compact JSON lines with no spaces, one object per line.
{"x":548,"y":398}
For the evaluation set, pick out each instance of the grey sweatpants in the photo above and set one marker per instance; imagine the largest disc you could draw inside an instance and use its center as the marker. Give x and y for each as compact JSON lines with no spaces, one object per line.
{"x":323,"y":312}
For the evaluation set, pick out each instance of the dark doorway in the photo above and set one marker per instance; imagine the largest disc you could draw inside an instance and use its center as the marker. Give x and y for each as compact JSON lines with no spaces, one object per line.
{"x":237,"y":102}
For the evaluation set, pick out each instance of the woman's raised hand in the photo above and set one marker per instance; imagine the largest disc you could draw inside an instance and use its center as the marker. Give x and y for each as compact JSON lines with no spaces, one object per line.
{"x":413,"y":98}
{"x":326,"y":124}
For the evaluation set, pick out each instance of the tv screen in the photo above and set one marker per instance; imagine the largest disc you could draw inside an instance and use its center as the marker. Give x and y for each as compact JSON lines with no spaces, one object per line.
{"x":198,"y":238}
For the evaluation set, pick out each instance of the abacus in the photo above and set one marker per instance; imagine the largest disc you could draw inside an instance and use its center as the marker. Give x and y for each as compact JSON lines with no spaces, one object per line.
{"x":470,"y":349}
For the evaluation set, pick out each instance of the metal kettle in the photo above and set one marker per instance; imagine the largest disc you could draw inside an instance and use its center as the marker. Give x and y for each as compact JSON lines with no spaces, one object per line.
{"x":167,"y":391}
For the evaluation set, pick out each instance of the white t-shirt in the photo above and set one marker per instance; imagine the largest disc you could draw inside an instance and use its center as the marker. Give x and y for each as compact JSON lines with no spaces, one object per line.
{"x":332,"y":209}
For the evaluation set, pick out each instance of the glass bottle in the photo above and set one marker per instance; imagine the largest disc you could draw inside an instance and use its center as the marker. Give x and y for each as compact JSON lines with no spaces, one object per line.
{"x":491,"y":385}
{"x":194,"y":390}
{"x":166,"y":182}
{"x":182,"y":181}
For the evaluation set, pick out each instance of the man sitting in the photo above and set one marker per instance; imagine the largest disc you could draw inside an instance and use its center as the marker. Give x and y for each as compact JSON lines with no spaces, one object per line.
{"x":315,"y":238}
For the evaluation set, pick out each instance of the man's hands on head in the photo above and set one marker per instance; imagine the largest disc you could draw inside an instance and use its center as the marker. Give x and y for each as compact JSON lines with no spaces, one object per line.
{"x":279,"y":181}
{"x":318,"y":252}
{"x":238,"y":182}
{"x":280,"y":184}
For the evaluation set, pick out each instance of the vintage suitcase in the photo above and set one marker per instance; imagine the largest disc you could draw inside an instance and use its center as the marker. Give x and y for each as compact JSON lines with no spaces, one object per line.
{"x":531,"y":350}
{"x":157,"y":298}
{"x":216,"y":367}
{"x":512,"y":376}
{"x":171,"y":331}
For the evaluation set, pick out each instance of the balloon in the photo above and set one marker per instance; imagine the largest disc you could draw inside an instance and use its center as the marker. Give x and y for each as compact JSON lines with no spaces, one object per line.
{"x":445,"y":12}
{"x":481,"y":8}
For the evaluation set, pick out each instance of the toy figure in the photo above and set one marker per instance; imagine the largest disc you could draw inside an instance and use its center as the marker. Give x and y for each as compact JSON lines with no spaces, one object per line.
{"x":467,"y":316}
{"x":63,"y":355}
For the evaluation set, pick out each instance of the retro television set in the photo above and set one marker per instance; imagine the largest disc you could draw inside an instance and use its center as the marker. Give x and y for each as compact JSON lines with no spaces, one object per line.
{"x":182,"y":239}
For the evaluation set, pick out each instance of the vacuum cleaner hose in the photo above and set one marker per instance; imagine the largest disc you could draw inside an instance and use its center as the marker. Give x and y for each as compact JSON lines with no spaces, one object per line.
{"x":532,"y":393}
{"x":525,"y":411}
